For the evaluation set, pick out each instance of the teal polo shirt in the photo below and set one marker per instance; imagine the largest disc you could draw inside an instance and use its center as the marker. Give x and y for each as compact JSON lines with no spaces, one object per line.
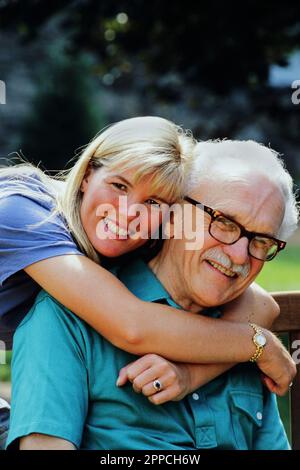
{"x":64,"y":376}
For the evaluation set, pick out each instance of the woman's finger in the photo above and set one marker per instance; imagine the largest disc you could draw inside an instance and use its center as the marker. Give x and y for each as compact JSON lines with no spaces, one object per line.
{"x":167,"y":381}
{"x":134,"y":369}
{"x":168,"y":394}
{"x":149,"y":375}
{"x":122,"y":378}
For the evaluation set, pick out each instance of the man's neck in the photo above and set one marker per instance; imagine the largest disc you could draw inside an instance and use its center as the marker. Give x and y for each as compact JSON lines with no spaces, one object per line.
{"x":164,"y":270}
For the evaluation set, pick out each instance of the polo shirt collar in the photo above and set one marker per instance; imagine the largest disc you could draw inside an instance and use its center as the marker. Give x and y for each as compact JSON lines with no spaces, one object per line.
{"x":142,"y":282}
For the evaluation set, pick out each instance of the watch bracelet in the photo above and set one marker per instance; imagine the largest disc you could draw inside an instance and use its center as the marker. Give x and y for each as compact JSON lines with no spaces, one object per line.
{"x":259,"y":349}
{"x":256,"y":355}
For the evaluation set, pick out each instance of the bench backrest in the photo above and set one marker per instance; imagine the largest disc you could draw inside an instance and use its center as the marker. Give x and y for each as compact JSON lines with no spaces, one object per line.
{"x":289,"y":322}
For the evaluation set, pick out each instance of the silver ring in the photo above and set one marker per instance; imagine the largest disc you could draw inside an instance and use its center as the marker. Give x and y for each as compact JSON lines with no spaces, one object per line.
{"x":291,"y":384}
{"x":157,"y":385}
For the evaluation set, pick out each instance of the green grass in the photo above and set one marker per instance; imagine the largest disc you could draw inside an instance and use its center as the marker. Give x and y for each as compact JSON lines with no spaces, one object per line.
{"x":283,"y":273}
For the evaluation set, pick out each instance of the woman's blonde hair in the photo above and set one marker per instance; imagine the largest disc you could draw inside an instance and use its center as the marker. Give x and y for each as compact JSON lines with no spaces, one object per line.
{"x":149,"y":145}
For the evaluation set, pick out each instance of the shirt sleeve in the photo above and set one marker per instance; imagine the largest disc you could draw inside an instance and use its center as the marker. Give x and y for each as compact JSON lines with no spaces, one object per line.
{"x":49,"y":374}
{"x":271,"y":435}
{"x":22,"y":242}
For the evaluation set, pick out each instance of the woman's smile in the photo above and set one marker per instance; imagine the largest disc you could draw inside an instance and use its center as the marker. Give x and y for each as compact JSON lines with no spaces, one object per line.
{"x":117,"y":209}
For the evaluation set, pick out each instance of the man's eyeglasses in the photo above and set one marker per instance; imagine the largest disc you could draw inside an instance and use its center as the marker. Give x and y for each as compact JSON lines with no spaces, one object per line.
{"x":228,"y":231}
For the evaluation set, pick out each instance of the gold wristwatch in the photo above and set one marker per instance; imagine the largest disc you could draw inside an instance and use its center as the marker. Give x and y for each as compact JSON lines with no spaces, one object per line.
{"x":259,"y":340}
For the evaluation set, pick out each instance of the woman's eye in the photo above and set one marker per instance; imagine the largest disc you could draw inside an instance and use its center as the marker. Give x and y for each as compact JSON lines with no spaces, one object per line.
{"x":152,"y":202}
{"x":120,"y":186}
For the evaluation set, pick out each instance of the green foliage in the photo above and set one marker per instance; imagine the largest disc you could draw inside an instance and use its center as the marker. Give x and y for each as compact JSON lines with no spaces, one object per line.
{"x":220,"y":46}
{"x":63,"y":116}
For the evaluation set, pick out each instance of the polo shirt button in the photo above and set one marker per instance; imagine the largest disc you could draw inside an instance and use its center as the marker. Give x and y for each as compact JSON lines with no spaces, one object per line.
{"x":195,"y":396}
{"x":259,"y":415}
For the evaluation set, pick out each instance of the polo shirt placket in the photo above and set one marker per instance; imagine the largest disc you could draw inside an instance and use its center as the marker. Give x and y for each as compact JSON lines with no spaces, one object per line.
{"x":205,"y":430}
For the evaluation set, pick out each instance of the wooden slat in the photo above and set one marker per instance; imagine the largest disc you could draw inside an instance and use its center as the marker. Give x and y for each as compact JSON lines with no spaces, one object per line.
{"x":295,"y":401}
{"x":289,"y":322}
{"x":289,"y":318}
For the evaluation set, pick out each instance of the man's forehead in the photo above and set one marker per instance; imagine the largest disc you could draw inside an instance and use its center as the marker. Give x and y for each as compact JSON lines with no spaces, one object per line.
{"x":233,"y":189}
{"x":256,"y":203}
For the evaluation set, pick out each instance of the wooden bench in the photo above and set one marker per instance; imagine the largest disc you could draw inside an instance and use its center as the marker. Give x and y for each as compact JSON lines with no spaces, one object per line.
{"x":289,"y":322}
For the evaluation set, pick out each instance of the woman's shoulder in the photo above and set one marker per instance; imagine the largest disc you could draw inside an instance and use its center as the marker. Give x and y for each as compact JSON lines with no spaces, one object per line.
{"x":28,"y":182}
{"x":18,"y":177}
{"x":24,"y":196}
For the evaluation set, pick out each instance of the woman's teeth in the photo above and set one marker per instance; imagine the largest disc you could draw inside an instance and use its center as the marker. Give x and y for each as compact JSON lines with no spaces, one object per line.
{"x":120,"y":232}
{"x":222,"y":269}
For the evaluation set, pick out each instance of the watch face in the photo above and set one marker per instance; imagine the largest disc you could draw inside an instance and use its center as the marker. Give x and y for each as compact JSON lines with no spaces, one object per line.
{"x":260,"y":339}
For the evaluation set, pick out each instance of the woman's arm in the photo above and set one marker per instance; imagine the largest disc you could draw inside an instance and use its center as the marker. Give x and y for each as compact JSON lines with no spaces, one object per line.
{"x":100,"y":299}
{"x":139,"y":327}
{"x":255,"y":305}
{"x":181,"y":379}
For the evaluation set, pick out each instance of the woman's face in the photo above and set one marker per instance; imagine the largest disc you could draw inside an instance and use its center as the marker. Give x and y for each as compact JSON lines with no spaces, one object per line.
{"x":109,"y":212}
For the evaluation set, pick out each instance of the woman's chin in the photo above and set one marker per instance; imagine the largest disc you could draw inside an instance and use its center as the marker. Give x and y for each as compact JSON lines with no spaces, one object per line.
{"x":110,"y":252}
{"x":112,"y":249}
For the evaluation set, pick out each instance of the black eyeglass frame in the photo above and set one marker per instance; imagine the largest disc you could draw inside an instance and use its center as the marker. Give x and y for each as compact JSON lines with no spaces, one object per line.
{"x":214,"y":214}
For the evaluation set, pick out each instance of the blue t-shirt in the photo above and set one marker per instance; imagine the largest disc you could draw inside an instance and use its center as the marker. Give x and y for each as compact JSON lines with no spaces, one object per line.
{"x":21,"y":245}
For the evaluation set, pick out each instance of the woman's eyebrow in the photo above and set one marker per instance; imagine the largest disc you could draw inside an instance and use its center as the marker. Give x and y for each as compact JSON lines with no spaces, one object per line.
{"x":153,"y":196}
{"x":122,"y":179}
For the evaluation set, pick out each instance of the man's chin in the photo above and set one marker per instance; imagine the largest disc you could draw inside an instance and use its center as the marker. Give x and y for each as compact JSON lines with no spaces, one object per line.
{"x":217,"y":298}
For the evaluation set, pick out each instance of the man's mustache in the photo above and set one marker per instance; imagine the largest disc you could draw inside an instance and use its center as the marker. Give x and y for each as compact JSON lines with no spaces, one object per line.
{"x":217,"y":255}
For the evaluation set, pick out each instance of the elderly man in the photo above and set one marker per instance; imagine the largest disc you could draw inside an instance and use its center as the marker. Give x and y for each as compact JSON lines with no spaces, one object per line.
{"x":64,"y":372}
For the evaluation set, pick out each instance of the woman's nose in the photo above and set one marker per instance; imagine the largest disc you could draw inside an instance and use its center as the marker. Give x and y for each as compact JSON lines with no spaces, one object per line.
{"x":128,"y":210}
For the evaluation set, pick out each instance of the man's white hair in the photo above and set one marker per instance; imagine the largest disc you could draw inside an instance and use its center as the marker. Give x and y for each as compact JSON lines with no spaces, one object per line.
{"x":228,"y":160}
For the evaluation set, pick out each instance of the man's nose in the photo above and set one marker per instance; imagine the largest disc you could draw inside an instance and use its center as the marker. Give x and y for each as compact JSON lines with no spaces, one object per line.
{"x":238,"y":252}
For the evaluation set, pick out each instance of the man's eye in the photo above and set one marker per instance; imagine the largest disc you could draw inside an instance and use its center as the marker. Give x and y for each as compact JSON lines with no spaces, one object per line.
{"x":225,"y":224}
{"x":262,"y":243}
{"x":120,"y":186}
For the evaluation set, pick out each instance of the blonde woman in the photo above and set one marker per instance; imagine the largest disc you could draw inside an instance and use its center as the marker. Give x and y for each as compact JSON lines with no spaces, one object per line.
{"x":49,"y":239}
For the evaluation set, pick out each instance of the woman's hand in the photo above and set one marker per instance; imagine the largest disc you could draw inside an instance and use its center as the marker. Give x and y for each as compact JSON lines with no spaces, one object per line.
{"x":174,"y":378}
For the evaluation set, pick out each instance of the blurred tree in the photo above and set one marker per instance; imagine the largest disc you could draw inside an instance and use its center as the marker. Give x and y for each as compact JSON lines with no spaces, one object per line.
{"x":63,"y":117}
{"x":220,"y":45}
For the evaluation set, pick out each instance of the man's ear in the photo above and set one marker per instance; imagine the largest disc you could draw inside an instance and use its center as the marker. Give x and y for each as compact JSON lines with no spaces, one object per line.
{"x":85,"y":180}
